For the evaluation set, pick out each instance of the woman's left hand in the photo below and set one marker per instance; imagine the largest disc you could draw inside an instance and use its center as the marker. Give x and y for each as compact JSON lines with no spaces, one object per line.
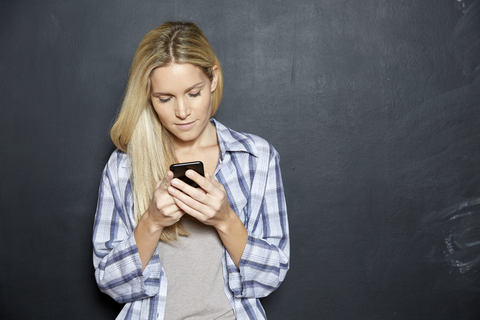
{"x":208,"y":204}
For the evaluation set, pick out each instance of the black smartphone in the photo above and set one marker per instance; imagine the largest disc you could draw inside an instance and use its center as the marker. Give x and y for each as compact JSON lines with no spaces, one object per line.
{"x":179,"y":170}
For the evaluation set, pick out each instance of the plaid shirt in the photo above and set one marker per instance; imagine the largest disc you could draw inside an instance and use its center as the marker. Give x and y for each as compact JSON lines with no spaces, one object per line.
{"x":249,"y":170}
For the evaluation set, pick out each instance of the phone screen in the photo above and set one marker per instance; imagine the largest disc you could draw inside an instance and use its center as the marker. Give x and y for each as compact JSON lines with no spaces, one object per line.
{"x":179,"y":170}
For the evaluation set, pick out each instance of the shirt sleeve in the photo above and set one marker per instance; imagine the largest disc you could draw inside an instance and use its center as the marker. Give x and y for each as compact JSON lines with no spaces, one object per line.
{"x":265,"y":260}
{"x":118,"y":268}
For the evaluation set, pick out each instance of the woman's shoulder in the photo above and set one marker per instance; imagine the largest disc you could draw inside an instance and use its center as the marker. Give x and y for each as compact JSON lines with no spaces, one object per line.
{"x":118,"y":157}
{"x":242,"y":141}
{"x":118,"y":163}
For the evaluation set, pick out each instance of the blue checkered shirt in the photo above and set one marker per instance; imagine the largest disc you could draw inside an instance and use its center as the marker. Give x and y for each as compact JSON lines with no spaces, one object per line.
{"x":249,"y":170}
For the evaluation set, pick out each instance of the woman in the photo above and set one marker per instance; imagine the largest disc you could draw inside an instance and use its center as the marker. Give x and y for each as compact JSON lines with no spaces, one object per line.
{"x":168,"y":250}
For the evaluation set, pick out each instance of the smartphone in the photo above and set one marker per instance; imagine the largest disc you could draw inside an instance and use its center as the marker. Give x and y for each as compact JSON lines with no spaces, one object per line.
{"x":179,"y":170}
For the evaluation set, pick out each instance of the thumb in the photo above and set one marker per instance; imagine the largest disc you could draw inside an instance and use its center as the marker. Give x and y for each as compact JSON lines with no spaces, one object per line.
{"x":165,"y":182}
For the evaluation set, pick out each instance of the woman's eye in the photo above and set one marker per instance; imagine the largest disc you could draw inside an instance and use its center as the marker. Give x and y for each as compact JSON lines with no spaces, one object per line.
{"x":193,"y":95}
{"x":163,"y":100}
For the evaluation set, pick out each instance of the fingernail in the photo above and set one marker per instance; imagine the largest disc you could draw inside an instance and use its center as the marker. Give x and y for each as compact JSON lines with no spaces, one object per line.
{"x":189,"y":173}
{"x":174,"y":182}
{"x":171,"y":190}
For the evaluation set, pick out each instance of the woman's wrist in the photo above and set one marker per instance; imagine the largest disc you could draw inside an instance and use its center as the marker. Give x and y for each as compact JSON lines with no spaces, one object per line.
{"x":149,"y":224}
{"x":234,"y":236}
{"x":226,"y":225}
{"x":147,"y":235}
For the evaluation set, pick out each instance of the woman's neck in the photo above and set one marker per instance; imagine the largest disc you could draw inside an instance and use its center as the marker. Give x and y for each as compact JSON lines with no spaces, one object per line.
{"x":206,"y":140}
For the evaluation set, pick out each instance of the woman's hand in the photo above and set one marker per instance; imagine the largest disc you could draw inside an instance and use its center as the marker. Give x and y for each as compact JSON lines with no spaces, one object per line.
{"x":209,"y":204}
{"x":163,"y":211}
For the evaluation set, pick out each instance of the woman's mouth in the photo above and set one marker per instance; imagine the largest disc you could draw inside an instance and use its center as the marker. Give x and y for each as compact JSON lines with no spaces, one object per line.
{"x":185,"y":126}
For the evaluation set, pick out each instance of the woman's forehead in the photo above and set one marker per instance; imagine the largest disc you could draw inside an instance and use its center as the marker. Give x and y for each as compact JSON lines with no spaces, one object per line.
{"x":176,"y":76}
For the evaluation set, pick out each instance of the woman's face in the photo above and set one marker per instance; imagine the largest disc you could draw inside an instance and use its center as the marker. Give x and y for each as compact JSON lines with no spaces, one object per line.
{"x":181,"y":96}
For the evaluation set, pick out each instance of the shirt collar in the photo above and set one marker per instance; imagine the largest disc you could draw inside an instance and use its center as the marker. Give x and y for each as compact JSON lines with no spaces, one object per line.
{"x":232,"y":141}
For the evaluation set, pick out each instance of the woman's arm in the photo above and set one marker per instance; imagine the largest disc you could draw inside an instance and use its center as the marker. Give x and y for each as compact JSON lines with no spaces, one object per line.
{"x":265,"y":260}
{"x":258,"y":248}
{"x":147,"y":235}
{"x":234,"y":236}
{"x":119,"y":270}
{"x":209,"y":204}
{"x":161,"y":213}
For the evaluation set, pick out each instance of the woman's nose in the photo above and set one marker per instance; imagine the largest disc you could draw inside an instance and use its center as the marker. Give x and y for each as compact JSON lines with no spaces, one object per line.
{"x":182,"y":111}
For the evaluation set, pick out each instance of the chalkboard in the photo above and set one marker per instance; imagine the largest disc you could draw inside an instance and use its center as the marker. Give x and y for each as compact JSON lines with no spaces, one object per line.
{"x":372,"y":105}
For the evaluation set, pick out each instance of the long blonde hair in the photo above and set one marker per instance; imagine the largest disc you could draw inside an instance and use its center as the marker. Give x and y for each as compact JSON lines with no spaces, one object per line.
{"x":137,"y":129}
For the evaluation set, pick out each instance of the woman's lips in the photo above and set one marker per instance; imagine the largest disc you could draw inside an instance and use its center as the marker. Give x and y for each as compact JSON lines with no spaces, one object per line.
{"x":185,"y":126}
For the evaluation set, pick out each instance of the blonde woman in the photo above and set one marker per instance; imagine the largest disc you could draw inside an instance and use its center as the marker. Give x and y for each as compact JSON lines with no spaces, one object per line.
{"x":168,"y":250}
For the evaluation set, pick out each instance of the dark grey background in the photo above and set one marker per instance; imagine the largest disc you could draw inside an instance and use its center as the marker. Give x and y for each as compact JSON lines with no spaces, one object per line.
{"x":373,"y":106}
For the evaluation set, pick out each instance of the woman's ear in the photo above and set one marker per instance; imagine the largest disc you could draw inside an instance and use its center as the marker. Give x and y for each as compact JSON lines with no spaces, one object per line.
{"x":213,"y":85}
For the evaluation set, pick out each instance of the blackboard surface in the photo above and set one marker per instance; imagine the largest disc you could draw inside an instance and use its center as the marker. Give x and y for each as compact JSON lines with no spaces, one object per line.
{"x":373,"y":106}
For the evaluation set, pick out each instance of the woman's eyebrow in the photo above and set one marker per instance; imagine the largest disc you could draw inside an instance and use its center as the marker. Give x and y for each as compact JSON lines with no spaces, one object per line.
{"x":195,"y":85}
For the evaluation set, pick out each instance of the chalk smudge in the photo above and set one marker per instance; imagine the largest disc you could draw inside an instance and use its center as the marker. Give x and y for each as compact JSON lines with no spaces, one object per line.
{"x":460,"y":226}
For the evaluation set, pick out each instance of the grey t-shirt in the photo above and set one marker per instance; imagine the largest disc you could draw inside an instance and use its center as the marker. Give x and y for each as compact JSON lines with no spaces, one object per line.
{"x":193,"y":266}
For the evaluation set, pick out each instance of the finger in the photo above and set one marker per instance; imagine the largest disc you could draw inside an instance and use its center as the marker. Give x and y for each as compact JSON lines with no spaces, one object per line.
{"x":203,"y":182}
{"x":168,"y":176}
{"x":165,"y":182}
{"x":189,"y":210}
{"x":195,"y":198}
{"x":178,"y":214}
{"x":174,"y":217}
{"x":213,"y":181}
{"x":216,"y":189}
{"x":172,"y":210}
{"x":168,"y":213}
{"x":164,"y":205}
{"x":196,"y":193}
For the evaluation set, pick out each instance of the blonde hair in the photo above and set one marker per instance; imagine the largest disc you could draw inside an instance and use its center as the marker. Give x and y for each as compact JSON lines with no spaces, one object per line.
{"x":137,"y":129}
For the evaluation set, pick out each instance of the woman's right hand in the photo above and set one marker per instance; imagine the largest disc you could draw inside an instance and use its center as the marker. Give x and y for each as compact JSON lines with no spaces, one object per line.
{"x":162,"y":211}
